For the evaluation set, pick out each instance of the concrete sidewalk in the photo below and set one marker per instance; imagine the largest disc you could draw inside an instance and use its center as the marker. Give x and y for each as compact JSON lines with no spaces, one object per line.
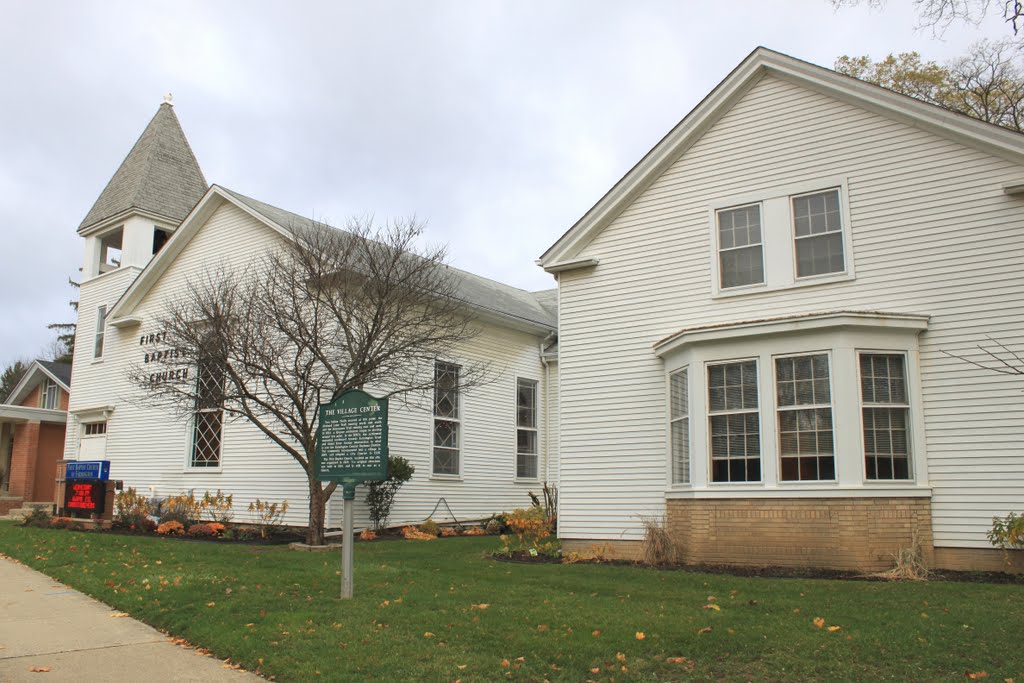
{"x":46,"y":624}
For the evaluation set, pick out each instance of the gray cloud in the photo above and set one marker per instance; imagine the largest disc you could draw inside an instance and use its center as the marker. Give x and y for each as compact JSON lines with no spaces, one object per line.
{"x":498,"y":122}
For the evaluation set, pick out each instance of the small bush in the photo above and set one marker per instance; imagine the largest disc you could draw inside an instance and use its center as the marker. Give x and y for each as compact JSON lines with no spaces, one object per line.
{"x":367,"y":535}
{"x":132,"y":511}
{"x":267,"y":516}
{"x":240,"y":533}
{"x":908,"y":564}
{"x":1007,"y":533}
{"x":531,"y":531}
{"x":39,"y":519}
{"x":430,"y":527}
{"x":212,"y":530}
{"x":184,"y":509}
{"x":381,"y":494}
{"x":69,"y":523}
{"x":171,"y":528}
{"x":496,"y":524}
{"x":218,"y":507}
{"x":659,"y":546}
{"x":448,"y":531}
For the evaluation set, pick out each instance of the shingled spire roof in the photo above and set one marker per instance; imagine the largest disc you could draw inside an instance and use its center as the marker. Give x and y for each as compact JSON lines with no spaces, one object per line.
{"x":160,"y":175}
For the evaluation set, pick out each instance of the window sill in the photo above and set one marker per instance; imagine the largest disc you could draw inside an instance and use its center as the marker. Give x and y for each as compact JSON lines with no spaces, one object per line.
{"x":751,"y":290}
{"x":203,"y":470}
{"x":445,"y":477}
{"x":96,"y":361}
{"x":527,"y":480}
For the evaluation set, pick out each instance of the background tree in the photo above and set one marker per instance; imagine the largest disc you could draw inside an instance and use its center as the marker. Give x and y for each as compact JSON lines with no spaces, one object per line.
{"x":938,"y":15}
{"x":986,"y":84}
{"x":10,"y":377}
{"x":325,"y":312}
{"x":63,"y":347}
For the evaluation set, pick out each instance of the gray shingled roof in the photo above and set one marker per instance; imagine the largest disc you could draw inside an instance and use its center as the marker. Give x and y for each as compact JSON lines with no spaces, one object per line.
{"x":159,"y":175}
{"x":61,"y":371}
{"x":479,"y":292}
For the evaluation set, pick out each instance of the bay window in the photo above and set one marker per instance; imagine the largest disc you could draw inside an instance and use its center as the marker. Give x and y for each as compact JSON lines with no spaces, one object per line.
{"x":734,"y":422}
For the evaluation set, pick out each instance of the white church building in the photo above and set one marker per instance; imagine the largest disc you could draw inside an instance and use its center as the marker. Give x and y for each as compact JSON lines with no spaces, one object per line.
{"x":765,"y":335}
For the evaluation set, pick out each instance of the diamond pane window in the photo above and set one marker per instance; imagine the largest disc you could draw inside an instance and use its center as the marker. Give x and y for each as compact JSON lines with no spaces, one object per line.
{"x":679,"y":425}
{"x":734,"y":424}
{"x":526,"y":429}
{"x":741,"y":259}
{"x":446,"y":418}
{"x":886,"y":410}
{"x":817,"y":221}
{"x":208,"y":420}
{"x":804,"y":400}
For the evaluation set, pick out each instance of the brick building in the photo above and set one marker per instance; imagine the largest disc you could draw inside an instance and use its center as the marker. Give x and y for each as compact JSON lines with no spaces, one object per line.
{"x":32,"y":424}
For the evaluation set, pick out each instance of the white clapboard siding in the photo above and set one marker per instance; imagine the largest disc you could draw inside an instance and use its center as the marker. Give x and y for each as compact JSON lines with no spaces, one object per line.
{"x":148,"y":446}
{"x":933,"y":234}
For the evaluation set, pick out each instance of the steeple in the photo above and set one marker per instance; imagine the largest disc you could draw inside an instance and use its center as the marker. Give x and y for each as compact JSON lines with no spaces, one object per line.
{"x":160,"y":176}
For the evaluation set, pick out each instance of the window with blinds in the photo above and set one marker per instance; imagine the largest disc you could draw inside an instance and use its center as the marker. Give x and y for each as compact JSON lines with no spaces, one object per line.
{"x":818,"y":228}
{"x":886,"y":411}
{"x":679,"y":426}
{"x":804,"y":404}
{"x":740,"y":252}
{"x":734,"y":423}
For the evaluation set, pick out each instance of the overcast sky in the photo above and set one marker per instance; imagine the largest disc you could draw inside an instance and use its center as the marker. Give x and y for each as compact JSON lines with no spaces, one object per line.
{"x":499,"y":123}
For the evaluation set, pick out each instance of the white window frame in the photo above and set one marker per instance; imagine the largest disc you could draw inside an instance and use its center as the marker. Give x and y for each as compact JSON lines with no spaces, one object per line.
{"x":708,"y":413}
{"x":842,"y":233}
{"x":535,"y":428}
{"x":99,"y":342}
{"x":911,"y":423}
{"x":778,"y":235}
{"x":193,"y":426}
{"x":49,"y":390}
{"x":458,"y":420}
{"x":101,"y":433}
{"x":719,"y":250}
{"x":688,"y":444}
{"x":778,"y":418}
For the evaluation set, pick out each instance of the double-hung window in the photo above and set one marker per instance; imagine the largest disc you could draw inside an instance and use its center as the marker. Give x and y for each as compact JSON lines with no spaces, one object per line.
{"x":679,"y":425}
{"x":446,"y":418}
{"x":526,"y":429}
{"x":883,"y":385}
{"x":818,"y":230}
{"x":804,"y":402}
{"x":49,"y":394}
{"x":208,"y":419}
{"x":740,"y":252}
{"x":734,"y":423}
{"x":101,"y":324}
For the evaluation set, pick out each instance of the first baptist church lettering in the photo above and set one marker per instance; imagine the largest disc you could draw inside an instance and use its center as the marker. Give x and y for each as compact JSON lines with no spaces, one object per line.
{"x":755,"y":336}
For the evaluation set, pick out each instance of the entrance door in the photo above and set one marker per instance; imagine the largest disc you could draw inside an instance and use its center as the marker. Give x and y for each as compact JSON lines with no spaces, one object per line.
{"x":51,"y":446}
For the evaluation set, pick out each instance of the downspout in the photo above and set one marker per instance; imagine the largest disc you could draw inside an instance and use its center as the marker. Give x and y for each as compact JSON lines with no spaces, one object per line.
{"x":547,"y":406}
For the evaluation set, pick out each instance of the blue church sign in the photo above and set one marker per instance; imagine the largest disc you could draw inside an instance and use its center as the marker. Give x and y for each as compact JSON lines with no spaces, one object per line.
{"x":96,"y":470}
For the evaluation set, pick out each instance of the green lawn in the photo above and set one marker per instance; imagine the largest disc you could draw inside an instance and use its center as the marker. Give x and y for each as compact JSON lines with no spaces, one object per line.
{"x":441,"y":611}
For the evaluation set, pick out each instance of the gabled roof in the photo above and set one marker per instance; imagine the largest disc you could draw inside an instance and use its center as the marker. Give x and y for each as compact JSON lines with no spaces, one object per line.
{"x":763,"y":62}
{"x":487,"y":297}
{"x":36,"y":373}
{"x":159,"y":176}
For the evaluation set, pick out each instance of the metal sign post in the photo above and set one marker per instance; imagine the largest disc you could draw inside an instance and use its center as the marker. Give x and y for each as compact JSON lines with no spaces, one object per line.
{"x":351,"y":448}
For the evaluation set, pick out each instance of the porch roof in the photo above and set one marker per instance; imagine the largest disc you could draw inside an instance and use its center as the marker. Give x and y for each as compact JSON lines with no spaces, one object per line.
{"x":9,"y":413}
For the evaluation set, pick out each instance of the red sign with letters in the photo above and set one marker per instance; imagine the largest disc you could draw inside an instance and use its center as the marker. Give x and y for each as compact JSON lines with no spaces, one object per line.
{"x":85,"y":497}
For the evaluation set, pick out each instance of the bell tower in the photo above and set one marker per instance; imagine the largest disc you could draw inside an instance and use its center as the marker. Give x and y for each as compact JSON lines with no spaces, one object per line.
{"x":155,"y":187}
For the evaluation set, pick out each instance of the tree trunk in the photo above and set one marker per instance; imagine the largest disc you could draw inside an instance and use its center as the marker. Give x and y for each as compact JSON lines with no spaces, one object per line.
{"x":317,"y":512}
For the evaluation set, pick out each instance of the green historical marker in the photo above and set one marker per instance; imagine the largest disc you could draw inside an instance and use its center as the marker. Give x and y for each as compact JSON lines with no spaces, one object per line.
{"x":351,"y":447}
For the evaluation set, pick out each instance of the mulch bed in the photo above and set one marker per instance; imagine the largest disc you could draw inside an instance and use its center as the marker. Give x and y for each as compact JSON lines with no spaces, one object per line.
{"x":522,"y":557}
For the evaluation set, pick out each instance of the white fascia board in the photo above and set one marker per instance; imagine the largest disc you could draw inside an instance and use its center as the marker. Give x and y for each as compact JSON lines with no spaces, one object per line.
{"x":121,"y":217}
{"x":845,"y":319}
{"x":9,"y":413}
{"x":103,"y":412}
{"x":576,"y":264}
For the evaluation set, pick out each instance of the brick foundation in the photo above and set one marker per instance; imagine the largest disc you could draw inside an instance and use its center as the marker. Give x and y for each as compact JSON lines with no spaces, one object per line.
{"x":859,"y":534}
{"x":8,"y":504}
{"x":979,"y":560}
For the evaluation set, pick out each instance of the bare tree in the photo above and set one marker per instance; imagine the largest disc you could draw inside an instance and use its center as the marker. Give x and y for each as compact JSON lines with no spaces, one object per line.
{"x":325,"y":312}
{"x":939,"y":15}
{"x":996,"y":358}
{"x":986,"y":84}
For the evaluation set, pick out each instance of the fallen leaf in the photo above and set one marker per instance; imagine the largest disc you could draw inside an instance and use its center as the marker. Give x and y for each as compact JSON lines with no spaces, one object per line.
{"x":819,"y":622}
{"x":482,"y":605}
{"x":640,"y":635}
{"x":39,"y":669}
{"x":211,"y":604}
{"x":620,"y":656}
{"x":975,"y":675}
{"x":428,"y":634}
{"x":706,"y":629}
{"x":505,"y":663}
{"x":676,"y":660}
{"x":713,"y":606}
{"x":460,"y":667}
{"x":595,"y":670}
{"x":834,"y":628}
{"x":118,"y":614}
{"x":596,"y":633}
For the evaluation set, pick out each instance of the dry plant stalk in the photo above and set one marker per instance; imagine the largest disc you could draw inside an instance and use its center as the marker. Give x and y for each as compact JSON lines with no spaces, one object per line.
{"x":659,"y":546}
